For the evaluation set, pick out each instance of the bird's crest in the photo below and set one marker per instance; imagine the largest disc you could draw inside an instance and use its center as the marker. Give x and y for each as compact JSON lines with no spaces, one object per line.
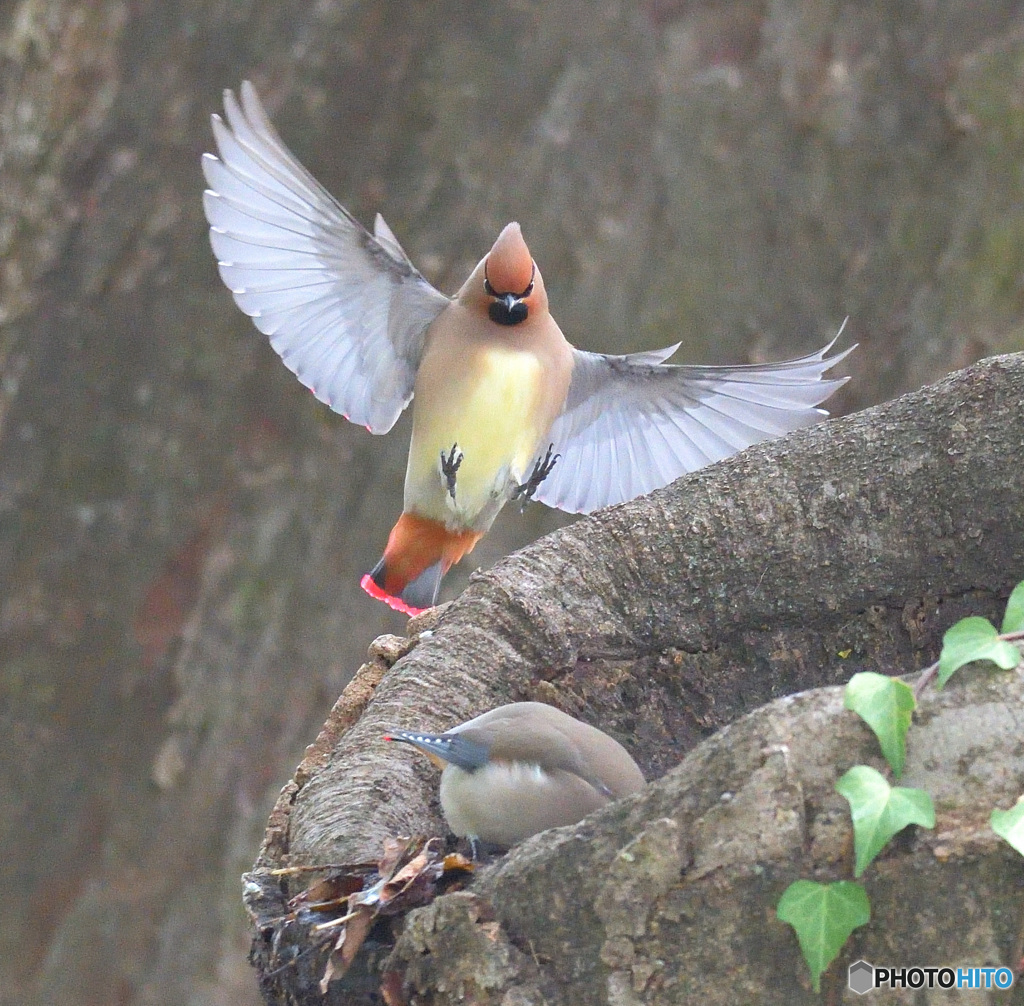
{"x":509,"y":265}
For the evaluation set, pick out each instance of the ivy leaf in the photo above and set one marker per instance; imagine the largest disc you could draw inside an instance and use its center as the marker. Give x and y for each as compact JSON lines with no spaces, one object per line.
{"x":973,"y":639}
{"x":879,"y":811}
{"x":1013,"y":620}
{"x":1009,"y":824}
{"x":886,"y":705}
{"x":823,"y":916}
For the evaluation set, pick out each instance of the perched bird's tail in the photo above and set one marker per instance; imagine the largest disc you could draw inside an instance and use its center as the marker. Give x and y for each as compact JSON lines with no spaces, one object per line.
{"x":419,"y":552}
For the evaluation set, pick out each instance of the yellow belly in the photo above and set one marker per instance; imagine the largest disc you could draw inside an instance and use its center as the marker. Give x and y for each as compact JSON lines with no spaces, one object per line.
{"x":490,"y":411}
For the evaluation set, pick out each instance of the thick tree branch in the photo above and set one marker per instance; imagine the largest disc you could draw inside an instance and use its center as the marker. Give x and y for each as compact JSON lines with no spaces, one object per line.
{"x":667,"y":617}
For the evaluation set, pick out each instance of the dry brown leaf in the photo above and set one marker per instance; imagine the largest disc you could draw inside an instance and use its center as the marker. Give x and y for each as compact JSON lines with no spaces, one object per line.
{"x":411,"y":872}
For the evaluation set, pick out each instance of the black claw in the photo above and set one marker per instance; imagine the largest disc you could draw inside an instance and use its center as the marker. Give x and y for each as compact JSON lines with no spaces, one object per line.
{"x":450,"y":467}
{"x":541,"y":470}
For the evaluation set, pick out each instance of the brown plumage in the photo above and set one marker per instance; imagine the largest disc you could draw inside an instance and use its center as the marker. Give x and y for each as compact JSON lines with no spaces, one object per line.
{"x":505,"y":408}
{"x":523,"y":768}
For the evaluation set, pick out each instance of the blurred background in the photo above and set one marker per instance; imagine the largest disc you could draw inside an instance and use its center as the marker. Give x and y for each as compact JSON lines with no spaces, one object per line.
{"x":182,"y":526}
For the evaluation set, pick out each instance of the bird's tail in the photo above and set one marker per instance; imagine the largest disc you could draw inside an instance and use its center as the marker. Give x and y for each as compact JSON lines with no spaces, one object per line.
{"x":419,"y":552}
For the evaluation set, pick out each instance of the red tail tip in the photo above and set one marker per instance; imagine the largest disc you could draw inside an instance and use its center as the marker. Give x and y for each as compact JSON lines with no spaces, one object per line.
{"x":382,"y":595}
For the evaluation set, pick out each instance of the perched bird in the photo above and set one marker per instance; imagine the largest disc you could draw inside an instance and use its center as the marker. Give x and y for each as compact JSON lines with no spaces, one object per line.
{"x":523,"y":768}
{"x":505,"y":408}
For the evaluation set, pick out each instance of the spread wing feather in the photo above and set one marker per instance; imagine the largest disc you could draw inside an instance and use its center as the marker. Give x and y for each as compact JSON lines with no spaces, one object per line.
{"x":346,"y":309}
{"x":633,"y":423}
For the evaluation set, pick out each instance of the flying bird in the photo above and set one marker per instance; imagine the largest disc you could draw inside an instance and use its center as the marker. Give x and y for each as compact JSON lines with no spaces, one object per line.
{"x":523,"y":768}
{"x":505,"y":408}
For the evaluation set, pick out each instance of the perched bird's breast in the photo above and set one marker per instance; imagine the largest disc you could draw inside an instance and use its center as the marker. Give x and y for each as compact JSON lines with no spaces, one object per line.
{"x":506,"y":802}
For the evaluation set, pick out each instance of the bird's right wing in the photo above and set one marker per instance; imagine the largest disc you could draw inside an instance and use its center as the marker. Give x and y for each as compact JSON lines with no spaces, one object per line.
{"x":632,"y":424}
{"x":346,"y":310}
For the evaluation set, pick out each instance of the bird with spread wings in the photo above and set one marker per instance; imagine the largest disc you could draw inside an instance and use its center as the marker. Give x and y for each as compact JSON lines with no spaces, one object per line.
{"x":504,"y":407}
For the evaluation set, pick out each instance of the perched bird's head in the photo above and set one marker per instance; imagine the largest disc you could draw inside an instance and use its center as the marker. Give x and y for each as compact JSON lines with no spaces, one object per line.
{"x":445,"y":749}
{"x":506,"y":284}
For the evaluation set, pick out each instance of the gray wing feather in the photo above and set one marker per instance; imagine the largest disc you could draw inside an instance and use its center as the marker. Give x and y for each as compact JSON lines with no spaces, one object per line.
{"x":346,"y":310}
{"x":633,"y":423}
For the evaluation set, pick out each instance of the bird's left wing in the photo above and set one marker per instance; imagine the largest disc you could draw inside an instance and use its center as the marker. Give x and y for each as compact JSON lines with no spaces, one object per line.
{"x":346,"y":309}
{"x":632,"y":424}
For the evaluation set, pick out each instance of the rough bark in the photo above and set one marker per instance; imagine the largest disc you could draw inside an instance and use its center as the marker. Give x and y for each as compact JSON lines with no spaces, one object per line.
{"x":668,"y":898}
{"x":669,"y":616}
{"x":846,"y":547}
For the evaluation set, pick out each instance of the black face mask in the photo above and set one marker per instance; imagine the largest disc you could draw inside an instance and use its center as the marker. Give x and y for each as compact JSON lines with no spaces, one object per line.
{"x":508,"y":308}
{"x":507,"y":311}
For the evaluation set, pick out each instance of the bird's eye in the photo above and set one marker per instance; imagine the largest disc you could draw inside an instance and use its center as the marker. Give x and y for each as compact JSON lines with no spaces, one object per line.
{"x":533,"y":273}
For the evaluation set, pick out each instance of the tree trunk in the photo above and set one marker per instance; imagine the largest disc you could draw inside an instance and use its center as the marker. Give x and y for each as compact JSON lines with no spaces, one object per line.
{"x":183,"y":527}
{"x":850,"y":546}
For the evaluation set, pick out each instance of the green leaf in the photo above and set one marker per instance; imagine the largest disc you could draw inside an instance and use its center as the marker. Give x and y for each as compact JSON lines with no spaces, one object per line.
{"x":973,"y":639}
{"x":1009,"y":824}
{"x":823,"y":916}
{"x":886,"y":705}
{"x":1013,"y":620}
{"x":879,"y":811}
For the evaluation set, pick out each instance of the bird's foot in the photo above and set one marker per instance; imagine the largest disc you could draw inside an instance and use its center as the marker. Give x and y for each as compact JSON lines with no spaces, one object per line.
{"x":450,"y":466}
{"x":480,"y":852}
{"x":541,"y":470}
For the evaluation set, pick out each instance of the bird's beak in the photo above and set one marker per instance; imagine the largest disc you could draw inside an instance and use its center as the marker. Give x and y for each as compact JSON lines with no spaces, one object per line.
{"x":510,"y":300}
{"x":444,"y":750}
{"x":422,"y":743}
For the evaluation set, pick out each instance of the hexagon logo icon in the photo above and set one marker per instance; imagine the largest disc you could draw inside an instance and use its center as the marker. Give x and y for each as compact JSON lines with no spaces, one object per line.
{"x":861,"y":977}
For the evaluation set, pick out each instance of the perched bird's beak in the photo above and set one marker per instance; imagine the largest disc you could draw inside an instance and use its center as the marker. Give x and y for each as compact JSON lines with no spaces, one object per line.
{"x":445,"y":749}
